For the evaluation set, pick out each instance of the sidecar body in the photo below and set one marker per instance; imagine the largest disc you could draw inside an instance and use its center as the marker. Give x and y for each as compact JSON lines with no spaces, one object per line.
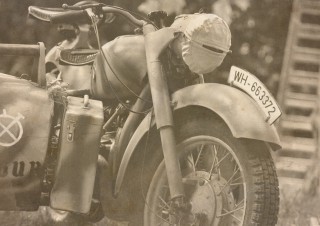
{"x":25,"y":121}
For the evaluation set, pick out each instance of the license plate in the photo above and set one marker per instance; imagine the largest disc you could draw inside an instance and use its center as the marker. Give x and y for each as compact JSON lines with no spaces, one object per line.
{"x":255,"y":88}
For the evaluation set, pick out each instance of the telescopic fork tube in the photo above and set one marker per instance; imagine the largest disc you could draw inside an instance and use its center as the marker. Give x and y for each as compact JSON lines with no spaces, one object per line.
{"x":155,"y":43}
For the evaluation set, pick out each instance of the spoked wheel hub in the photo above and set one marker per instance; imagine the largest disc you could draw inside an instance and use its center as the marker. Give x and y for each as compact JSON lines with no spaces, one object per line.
{"x":207,"y":198}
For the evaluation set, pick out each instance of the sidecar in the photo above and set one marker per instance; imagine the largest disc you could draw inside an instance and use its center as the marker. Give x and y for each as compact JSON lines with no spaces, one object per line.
{"x":25,"y":122}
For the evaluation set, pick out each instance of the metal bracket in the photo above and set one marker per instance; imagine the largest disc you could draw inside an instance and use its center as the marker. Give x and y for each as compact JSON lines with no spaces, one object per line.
{"x":71,"y":129}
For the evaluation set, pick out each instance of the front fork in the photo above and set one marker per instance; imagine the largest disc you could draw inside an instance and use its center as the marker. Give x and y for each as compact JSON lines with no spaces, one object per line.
{"x":156,"y":42}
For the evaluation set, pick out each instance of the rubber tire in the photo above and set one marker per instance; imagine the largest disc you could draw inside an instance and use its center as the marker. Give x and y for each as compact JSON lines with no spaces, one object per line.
{"x":258,"y":169}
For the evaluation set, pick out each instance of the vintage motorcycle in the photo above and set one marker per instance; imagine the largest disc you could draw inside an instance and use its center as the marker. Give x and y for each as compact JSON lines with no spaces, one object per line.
{"x":138,"y":137}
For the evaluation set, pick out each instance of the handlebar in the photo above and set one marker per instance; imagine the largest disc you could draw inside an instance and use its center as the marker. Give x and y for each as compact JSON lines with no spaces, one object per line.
{"x":79,"y":16}
{"x":82,"y":15}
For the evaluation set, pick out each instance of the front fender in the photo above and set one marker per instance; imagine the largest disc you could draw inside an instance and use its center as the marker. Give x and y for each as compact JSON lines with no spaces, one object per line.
{"x":238,"y":110}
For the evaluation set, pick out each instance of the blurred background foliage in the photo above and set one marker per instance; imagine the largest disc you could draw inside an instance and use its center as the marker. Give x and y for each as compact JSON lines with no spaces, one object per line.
{"x":259,"y":30}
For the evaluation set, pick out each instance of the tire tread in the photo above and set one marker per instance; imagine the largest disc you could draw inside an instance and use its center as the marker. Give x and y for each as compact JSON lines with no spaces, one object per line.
{"x":266,"y":190}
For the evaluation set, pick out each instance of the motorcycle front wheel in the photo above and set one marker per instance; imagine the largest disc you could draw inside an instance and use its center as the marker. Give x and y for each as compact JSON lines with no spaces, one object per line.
{"x":227,"y":181}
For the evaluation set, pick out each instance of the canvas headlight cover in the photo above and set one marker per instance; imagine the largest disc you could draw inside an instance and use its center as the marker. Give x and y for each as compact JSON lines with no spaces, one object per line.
{"x":207,"y":40}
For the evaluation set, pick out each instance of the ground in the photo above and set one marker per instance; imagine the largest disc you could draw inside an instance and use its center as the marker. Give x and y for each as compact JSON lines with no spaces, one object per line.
{"x":297,"y":209}
{"x":297,"y":212}
{"x":293,"y":212}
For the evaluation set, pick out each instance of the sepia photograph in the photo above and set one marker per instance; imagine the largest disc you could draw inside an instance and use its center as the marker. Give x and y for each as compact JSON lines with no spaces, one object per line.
{"x":159,"y":113}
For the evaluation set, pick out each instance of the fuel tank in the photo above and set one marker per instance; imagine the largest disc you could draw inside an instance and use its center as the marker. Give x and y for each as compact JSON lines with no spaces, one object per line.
{"x":25,"y":122}
{"x":78,"y":77}
{"x":120,"y":69}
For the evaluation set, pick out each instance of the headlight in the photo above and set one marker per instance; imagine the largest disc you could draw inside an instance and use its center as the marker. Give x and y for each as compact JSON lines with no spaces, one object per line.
{"x":204,"y":41}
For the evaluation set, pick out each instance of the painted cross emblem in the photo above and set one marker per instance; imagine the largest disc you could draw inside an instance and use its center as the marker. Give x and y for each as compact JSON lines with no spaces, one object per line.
{"x":11,"y":129}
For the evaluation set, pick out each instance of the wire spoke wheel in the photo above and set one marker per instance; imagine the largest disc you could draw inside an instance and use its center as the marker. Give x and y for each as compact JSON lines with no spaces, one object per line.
{"x":227,"y":181}
{"x":213,"y":182}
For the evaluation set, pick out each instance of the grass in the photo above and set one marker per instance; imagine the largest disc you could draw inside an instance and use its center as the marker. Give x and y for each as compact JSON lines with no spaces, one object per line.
{"x":41,"y":218}
{"x":297,"y":209}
